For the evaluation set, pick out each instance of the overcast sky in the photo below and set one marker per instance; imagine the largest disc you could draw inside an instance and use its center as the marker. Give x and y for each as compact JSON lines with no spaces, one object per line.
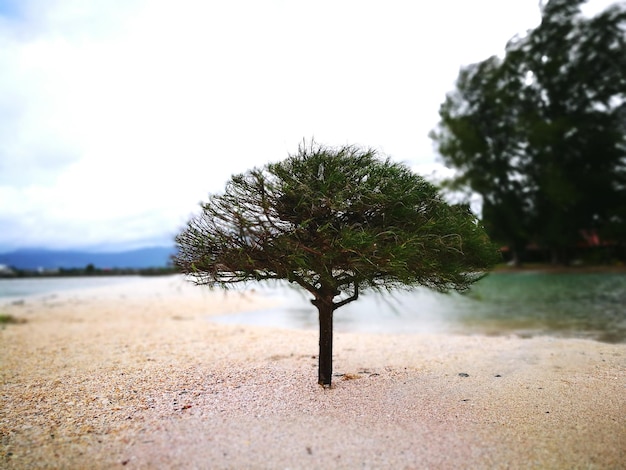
{"x":118,"y":116}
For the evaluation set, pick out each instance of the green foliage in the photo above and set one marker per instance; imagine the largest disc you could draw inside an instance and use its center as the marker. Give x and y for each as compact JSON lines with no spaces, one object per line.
{"x":334,"y":221}
{"x":540,"y":134}
{"x":6,"y":319}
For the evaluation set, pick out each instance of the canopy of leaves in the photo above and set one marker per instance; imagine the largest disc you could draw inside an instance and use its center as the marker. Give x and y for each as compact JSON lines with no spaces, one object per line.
{"x":540,"y":133}
{"x":332,"y":221}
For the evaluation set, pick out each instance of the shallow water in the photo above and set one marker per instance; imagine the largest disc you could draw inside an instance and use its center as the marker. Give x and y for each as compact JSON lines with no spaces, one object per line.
{"x":575,"y":305}
{"x":19,"y":288}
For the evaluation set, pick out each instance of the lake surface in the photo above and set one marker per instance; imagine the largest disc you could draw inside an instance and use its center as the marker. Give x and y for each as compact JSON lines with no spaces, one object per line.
{"x":18,"y":288}
{"x":574,"y":305}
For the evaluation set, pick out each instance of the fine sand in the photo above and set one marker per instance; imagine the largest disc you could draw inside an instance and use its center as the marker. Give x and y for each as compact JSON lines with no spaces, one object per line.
{"x":136,"y":376}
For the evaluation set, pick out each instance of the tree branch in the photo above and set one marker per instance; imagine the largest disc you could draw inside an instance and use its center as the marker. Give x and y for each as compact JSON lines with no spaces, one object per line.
{"x":352,"y":298}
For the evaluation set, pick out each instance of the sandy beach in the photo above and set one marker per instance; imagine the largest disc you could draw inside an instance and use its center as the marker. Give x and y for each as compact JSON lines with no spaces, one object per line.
{"x":137,"y":376}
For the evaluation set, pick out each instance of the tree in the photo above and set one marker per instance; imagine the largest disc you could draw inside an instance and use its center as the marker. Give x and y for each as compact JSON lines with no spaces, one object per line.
{"x":335,"y":222}
{"x":539,"y":133}
{"x":478,"y":136}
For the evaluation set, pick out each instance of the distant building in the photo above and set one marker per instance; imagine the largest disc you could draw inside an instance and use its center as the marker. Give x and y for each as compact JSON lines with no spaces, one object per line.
{"x":6,"y":271}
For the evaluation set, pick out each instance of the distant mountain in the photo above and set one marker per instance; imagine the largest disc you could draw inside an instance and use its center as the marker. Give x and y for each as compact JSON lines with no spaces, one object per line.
{"x":33,"y":259}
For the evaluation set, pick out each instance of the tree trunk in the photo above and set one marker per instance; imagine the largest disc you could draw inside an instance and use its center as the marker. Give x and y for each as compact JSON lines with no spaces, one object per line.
{"x":559,"y":256}
{"x":325,"y":373}
{"x":516,"y":261}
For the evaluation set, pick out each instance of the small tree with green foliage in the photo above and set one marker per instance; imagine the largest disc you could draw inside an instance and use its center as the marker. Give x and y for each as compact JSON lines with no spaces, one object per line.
{"x":335,"y":222}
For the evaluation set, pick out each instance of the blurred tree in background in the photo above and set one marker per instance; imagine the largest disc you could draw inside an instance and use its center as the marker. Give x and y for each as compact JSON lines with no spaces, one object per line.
{"x":334,"y":222}
{"x":540,"y":134}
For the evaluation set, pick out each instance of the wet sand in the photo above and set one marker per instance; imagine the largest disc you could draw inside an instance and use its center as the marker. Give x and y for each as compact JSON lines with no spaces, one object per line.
{"x":136,"y":376}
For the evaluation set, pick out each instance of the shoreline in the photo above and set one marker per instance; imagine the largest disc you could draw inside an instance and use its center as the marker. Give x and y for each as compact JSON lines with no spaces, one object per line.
{"x":136,"y":377}
{"x":558,"y":269}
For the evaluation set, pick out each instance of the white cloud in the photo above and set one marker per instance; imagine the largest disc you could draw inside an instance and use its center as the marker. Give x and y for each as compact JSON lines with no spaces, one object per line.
{"x":117,"y":117}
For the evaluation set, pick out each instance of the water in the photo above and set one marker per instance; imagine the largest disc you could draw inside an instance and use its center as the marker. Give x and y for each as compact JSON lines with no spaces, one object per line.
{"x":573,"y":305}
{"x":15,"y":289}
